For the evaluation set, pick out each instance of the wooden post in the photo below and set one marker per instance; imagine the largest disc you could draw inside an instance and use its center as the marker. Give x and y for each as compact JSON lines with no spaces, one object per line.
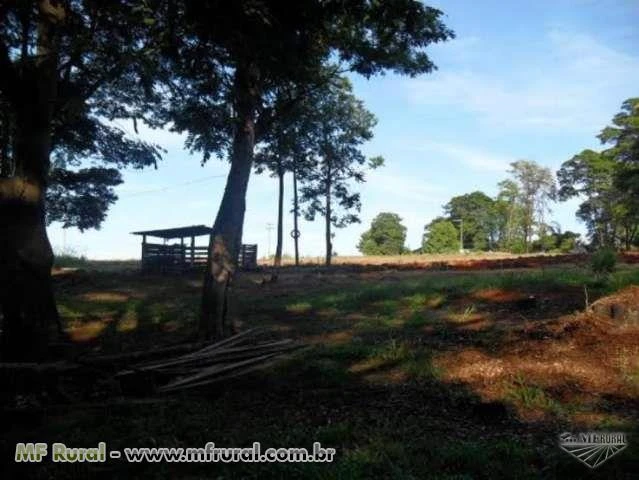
{"x":182,"y":253}
{"x":192,"y":250}
{"x":143,"y":260}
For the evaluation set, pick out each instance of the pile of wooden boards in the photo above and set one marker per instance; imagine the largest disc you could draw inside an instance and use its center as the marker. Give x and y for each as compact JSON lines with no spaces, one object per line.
{"x":213,"y":363}
{"x":158,"y":370}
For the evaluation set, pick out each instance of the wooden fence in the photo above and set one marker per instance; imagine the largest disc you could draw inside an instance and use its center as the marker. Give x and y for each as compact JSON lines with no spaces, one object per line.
{"x":163,"y":258}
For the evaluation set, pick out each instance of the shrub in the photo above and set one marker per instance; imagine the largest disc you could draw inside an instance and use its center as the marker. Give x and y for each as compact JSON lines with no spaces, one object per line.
{"x":603,"y":261}
{"x":69,"y":258}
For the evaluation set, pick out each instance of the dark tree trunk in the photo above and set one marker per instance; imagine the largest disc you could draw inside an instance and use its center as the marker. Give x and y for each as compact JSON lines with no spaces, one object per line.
{"x":226,"y":238}
{"x":296,"y":213}
{"x":329,"y":243}
{"x":26,"y":291}
{"x":26,"y":256}
{"x":280,"y":218}
{"x":5,"y":138}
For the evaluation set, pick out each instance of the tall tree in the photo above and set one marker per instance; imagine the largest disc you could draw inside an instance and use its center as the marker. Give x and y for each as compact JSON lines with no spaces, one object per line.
{"x":623,"y":134}
{"x":608,"y":181}
{"x":509,"y":215}
{"x":477,"y":212}
{"x":342,"y":125}
{"x":590,"y":175}
{"x":536,"y":186}
{"x":289,"y":146}
{"x":67,"y":68}
{"x":252,"y":46}
{"x":385,"y":237}
{"x":623,"y":138}
{"x":440,"y":236}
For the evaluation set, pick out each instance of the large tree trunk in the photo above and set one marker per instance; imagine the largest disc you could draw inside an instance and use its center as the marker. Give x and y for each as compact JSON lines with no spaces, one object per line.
{"x":296,"y":212}
{"x":226,"y":238}
{"x":280,"y":219}
{"x":26,"y":257}
{"x":329,"y":243}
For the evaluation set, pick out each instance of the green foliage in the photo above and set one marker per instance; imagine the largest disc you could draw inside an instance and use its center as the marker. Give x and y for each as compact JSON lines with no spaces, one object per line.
{"x":479,"y":215}
{"x":269,"y":56}
{"x":69,"y":258}
{"x":440,"y":236}
{"x":103,"y":70}
{"x":81,"y":198}
{"x":517,"y":245}
{"x":603,"y":261}
{"x":509,"y":217}
{"x":591,"y":175}
{"x":511,"y":220}
{"x":535,"y":189}
{"x":608,"y":181}
{"x":385,"y":237}
{"x":624,"y":132}
{"x":339,"y":126}
{"x":556,"y":241}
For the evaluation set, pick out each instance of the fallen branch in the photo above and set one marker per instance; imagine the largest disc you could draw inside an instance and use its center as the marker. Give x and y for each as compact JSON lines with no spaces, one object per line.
{"x":214,"y":370}
{"x":179,"y":367}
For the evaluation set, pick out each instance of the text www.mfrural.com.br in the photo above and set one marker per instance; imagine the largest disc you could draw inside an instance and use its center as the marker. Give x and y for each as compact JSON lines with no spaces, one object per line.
{"x":36,"y":452}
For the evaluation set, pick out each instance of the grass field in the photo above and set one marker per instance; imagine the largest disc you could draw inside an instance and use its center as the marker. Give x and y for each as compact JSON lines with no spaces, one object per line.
{"x":408,"y":373}
{"x":406,"y":259}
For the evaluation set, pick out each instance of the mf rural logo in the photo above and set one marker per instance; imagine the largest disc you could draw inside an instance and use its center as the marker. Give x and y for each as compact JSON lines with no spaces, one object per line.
{"x":593,"y":448}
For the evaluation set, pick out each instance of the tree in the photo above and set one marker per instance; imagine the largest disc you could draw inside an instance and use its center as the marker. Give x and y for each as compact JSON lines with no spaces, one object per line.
{"x":557,"y":241}
{"x":440,"y":236}
{"x":385,"y":237}
{"x":67,"y":69}
{"x":342,"y":124}
{"x":623,"y":135}
{"x":536,"y":186}
{"x":509,"y":217}
{"x":478,"y":213}
{"x":590,"y":175}
{"x":289,"y":146}
{"x":245,"y":49}
{"x":608,"y":181}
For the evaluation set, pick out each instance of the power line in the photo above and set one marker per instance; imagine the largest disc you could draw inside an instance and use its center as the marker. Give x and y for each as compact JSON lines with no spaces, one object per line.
{"x":168,"y":187}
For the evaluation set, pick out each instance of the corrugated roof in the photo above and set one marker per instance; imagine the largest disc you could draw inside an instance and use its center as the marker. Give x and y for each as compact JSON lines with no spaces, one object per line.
{"x":178,"y":232}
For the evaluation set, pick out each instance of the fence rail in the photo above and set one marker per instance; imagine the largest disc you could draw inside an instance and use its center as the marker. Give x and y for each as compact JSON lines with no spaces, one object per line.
{"x":157,"y":256}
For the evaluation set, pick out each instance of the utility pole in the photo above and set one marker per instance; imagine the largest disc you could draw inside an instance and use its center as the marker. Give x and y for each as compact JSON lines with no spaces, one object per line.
{"x":269,"y":229}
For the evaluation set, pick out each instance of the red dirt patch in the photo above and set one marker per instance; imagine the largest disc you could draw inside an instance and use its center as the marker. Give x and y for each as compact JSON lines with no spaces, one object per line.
{"x":498,"y":295}
{"x":574,"y":359}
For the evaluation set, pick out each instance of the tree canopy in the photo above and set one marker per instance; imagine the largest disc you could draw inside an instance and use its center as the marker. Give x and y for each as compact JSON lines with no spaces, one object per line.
{"x":99,"y":72}
{"x":385,"y":237}
{"x":440,"y":236}
{"x":477,"y":212}
{"x":608,"y":182}
{"x":231,"y":58}
{"x":536,"y":189}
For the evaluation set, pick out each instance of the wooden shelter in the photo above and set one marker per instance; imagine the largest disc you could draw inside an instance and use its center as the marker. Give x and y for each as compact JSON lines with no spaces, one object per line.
{"x":174,"y":256}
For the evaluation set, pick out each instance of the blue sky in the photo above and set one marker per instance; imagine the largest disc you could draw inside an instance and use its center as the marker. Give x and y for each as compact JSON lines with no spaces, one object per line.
{"x":523,"y":79}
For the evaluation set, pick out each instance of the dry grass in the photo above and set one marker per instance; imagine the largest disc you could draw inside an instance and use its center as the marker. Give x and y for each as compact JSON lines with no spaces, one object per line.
{"x":409,"y":259}
{"x":410,"y":373}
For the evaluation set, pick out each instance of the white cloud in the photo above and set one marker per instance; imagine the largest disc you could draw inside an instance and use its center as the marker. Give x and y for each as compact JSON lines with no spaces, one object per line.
{"x":568,"y":85}
{"x":472,"y":157}
{"x":384,"y":185}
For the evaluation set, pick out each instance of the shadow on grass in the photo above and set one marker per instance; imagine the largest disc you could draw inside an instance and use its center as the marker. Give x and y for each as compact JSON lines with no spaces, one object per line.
{"x":369,"y":385}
